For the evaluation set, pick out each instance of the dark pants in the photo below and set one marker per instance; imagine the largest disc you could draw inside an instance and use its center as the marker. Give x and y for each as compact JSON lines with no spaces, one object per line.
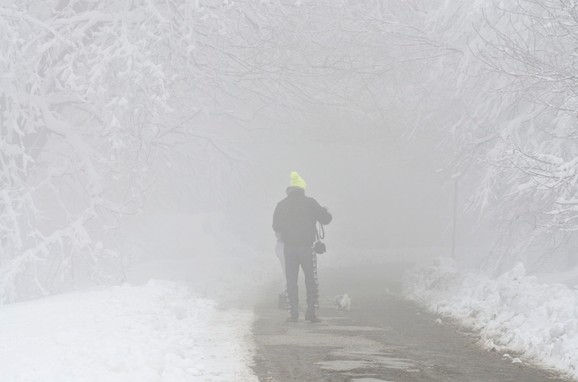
{"x":295,"y":257}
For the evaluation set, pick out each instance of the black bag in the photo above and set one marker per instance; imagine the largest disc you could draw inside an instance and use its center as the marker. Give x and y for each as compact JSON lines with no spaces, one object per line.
{"x":319,"y":246}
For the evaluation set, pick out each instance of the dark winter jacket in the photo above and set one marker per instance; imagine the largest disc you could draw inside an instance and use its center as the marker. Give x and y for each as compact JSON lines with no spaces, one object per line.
{"x":295,"y":218}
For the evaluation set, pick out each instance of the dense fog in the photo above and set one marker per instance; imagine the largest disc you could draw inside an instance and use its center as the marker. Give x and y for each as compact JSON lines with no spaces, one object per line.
{"x":429,"y":125}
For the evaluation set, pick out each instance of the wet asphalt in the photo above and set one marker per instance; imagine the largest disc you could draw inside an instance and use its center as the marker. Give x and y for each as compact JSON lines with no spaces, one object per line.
{"x":382,"y":338}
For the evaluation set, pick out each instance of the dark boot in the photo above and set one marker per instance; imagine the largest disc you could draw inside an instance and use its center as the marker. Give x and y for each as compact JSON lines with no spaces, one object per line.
{"x":312,"y":317}
{"x":282,"y":301}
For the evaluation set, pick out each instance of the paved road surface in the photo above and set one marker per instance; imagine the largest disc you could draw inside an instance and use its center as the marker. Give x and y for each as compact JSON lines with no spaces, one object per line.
{"x":382,"y":338}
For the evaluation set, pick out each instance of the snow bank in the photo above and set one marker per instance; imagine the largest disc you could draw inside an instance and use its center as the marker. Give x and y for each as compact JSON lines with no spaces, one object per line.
{"x":513,"y":312}
{"x":157,"y":332}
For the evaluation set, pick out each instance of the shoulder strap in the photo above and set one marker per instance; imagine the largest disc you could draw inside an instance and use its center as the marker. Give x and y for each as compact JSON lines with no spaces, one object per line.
{"x":319,"y":231}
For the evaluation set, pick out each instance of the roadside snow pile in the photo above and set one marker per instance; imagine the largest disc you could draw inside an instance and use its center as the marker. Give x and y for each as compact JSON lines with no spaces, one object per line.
{"x":512,"y":312}
{"x":154,"y":332}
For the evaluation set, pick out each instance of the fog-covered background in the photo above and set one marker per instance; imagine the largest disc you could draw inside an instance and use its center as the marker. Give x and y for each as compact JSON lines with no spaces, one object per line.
{"x":132,"y":132}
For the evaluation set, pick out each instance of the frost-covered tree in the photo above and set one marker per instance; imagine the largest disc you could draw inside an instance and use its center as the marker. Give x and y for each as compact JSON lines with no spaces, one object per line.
{"x":526,"y":126}
{"x":83,"y":89}
{"x":96,"y":95}
{"x":88,"y":99}
{"x":500,"y":83}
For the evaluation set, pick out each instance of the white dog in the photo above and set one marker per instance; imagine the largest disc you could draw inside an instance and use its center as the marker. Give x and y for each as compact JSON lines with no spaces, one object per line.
{"x":343,"y":302}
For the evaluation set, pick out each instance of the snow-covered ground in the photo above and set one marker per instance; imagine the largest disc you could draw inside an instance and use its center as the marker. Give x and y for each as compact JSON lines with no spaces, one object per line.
{"x":159,"y":331}
{"x":184,"y":314}
{"x":527,"y":319}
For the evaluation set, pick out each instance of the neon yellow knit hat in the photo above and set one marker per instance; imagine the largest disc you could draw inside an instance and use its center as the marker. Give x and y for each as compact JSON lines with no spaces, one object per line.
{"x":297,"y":180}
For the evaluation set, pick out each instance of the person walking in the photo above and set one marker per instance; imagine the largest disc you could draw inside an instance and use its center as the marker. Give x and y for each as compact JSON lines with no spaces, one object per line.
{"x":295,"y":223}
